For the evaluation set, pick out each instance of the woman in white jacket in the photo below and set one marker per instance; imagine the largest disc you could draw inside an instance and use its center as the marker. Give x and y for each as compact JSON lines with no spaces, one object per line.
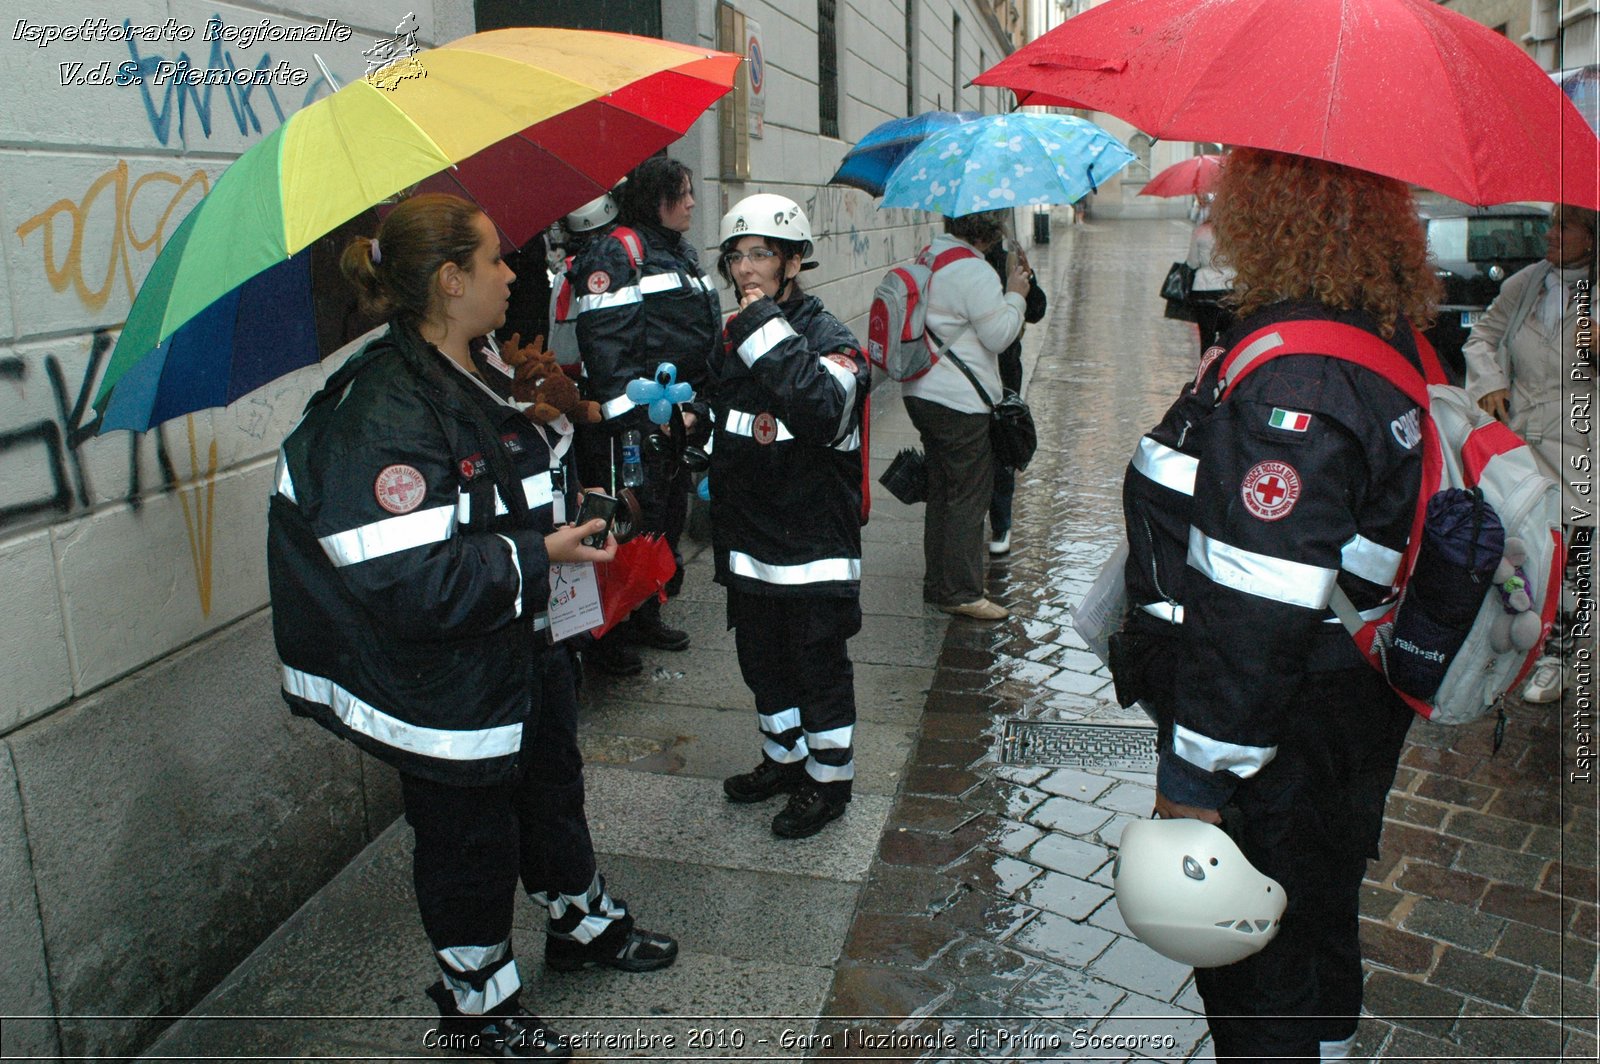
{"x":968,"y":310}
{"x":1530,"y":363}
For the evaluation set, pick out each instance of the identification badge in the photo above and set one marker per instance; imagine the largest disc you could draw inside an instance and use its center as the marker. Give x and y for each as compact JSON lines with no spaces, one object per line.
{"x":574,"y":600}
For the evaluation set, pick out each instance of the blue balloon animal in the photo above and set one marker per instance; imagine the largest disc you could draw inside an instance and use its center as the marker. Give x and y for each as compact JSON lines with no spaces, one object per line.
{"x":661,"y":392}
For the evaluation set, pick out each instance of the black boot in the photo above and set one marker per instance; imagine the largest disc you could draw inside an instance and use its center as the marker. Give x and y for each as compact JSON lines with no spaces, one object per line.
{"x":505,"y":1031}
{"x":645,"y":628}
{"x":621,"y":946}
{"x":810,"y":808}
{"x":612,"y":655}
{"x":767,"y":779}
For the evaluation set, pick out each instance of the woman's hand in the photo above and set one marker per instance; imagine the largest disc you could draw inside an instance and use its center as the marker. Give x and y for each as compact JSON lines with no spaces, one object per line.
{"x":1169,"y":810}
{"x":751,"y":293}
{"x":1495,"y":404}
{"x":566,"y":544}
{"x":1018,"y":280}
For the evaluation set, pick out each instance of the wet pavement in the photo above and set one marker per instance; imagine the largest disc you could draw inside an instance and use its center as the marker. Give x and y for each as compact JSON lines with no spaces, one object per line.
{"x":962,"y":908}
{"x":987,"y":929}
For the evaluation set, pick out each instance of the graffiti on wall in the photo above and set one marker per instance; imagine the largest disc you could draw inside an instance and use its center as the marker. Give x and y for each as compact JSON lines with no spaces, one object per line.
{"x":71,"y":222}
{"x":55,"y":443}
{"x":169,"y":101}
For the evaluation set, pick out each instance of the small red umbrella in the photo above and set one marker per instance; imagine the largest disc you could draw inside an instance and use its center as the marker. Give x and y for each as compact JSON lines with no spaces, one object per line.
{"x":1404,"y":88}
{"x":1192,"y":177}
{"x":640,"y":570}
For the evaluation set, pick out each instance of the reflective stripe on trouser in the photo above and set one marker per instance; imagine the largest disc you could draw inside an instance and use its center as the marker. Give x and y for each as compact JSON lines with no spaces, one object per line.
{"x":794,"y":657}
{"x":480,"y":977}
{"x":581,"y":917}
{"x":473,"y":844}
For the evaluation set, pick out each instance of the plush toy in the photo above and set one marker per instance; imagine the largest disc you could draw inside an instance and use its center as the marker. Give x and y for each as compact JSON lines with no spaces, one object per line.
{"x":541,"y":383}
{"x":1517,"y":626}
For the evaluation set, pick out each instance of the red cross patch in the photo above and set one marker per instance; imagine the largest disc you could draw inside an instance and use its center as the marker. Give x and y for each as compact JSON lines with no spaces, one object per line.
{"x":400,"y":488}
{"x":765,"y":429}
{"x":1271,"y":489}
{"x":844,"y":361}
{"x":599,"y":281}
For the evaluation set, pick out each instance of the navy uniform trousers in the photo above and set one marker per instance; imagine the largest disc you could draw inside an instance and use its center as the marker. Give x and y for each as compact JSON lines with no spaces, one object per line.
{"x":474,"y":843}
{"x":793,"y":656}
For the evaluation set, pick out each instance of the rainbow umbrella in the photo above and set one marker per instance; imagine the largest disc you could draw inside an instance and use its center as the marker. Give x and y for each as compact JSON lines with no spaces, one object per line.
{"x":528,"y":123}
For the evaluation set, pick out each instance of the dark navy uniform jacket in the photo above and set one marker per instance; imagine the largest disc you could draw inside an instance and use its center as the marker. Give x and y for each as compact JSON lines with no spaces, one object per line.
{"x":1307,"y":476}
{"x":789,"y":384}
{"x":406,"y":560}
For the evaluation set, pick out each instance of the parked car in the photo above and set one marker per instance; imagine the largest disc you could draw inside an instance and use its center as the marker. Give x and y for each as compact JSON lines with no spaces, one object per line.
{"x":1474,"y":249}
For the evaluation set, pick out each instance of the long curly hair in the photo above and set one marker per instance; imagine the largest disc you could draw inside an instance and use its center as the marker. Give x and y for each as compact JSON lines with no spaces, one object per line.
{"x":1295,"y":228}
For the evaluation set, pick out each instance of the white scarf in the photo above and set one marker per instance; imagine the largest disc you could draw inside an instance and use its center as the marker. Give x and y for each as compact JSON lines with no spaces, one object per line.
{"x":1558,"y":292}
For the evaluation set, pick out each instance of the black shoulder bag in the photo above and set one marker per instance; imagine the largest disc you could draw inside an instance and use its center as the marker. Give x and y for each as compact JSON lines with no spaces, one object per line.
{"x":1012,"y":436}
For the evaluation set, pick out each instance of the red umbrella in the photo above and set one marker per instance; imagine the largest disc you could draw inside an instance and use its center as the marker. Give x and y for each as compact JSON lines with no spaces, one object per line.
{"x":1404,"y":88}
{"x":1192,"y":177}
{"x":640,"y":570}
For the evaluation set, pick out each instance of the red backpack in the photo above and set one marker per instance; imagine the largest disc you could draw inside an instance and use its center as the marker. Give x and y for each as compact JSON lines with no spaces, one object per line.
{"x":897,"y":340}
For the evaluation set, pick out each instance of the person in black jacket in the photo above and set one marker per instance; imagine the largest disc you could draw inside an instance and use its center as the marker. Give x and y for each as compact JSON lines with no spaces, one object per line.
{"x":416,"y":513}
{"x":790,"y":385}
{"x":636,"y":311}
{"x":1241,"y":523}
{"x":1005,"y":478}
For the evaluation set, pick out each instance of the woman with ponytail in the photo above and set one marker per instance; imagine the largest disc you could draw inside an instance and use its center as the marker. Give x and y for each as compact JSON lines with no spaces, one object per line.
{"x":416,"y":514}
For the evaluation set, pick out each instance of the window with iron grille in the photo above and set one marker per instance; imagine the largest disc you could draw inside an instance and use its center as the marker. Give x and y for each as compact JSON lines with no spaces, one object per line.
{"x":828,"y":67}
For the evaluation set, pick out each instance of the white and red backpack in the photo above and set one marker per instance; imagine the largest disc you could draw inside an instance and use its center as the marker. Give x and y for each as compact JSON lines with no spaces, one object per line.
{"x":563,"y":341}
{"x":897,"y":340}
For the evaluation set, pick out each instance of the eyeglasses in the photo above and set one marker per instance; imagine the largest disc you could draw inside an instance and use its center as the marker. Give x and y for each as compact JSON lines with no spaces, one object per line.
{"x":755,"y":255}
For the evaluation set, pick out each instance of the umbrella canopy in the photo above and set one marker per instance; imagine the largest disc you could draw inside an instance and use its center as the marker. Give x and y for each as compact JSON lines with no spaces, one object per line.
{"x":867,"y":165}
{"x":1404,"y":88}
{"x":1192,"y":177}
{"x":1013,"y":160}
{"x":530,"y":122}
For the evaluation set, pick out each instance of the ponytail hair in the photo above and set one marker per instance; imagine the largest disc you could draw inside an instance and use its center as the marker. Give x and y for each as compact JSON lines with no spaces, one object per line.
{"x":393,"y":273}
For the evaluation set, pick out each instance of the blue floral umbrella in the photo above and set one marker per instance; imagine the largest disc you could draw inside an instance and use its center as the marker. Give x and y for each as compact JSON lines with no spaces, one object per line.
{"x":1014,"y":160}
{"x":868,"y":165}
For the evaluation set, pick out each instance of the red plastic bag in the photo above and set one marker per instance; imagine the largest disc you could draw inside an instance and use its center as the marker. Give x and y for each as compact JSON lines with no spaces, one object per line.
{"x":641,"y":569}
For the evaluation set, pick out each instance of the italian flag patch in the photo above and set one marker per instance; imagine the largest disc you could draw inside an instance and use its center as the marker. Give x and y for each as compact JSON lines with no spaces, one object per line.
{"x":1292,"y":420}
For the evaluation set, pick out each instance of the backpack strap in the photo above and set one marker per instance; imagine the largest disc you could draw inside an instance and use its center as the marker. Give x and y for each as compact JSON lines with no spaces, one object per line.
{"x":632,"y":243}
{"x":942,"y":347}
{"x":1333,"y":339}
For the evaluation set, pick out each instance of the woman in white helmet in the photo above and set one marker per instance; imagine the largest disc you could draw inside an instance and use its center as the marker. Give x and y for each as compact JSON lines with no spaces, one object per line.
{"x":790,"y":384}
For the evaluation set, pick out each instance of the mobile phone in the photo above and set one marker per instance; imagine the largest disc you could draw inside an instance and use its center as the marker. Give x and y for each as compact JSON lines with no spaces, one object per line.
{"x":596,"y":504}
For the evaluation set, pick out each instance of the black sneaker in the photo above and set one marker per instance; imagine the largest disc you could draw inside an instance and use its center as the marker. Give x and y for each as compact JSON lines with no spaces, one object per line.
{"x":633,"y":950}
{"x":768,"y":779}
{"x":509,"y":1032}
{"x":646,"y":629}
{"x":612,"y":656}
{"x":809,"y":808}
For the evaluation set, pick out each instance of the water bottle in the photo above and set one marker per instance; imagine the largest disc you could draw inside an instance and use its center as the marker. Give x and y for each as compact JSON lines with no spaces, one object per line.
{"x":632,"y":465}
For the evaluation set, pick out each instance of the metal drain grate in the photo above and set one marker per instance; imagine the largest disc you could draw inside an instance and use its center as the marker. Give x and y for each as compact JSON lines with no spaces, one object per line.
{"x":1060,"y":742}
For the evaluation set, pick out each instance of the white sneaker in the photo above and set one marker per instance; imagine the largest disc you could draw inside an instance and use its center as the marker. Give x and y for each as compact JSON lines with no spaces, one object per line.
{"x":1001,"y":544}
{"x":979,"y":610}
{"x":1544,"y":685}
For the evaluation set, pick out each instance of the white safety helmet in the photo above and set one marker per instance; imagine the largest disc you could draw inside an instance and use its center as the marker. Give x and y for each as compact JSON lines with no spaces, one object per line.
{"x":1188,"y":893}
{"x":768,"y":214}
{"x":592,"y":215}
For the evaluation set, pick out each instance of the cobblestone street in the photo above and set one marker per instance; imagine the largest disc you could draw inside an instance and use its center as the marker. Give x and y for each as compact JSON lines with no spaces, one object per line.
{"x":987,"y":928}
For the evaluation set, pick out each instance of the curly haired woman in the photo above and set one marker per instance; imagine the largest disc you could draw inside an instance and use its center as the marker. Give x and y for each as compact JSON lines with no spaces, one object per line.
{"x":1271,"y":720}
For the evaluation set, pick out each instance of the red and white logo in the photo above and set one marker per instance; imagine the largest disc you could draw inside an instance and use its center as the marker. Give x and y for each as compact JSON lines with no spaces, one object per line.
{"x":599,"y":281}
{"x":1271,"y":489}
{"x":400,"y":489}
{"x":765,"y":429}
{"x":843,"y":361}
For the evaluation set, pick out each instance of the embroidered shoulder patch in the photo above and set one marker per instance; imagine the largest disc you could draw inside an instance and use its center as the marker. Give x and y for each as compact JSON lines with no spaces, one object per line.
{"x":1270,"y":490}
{"x":599,"y":281}
{"x":400,"y":488}
{"x":841,"y":360}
